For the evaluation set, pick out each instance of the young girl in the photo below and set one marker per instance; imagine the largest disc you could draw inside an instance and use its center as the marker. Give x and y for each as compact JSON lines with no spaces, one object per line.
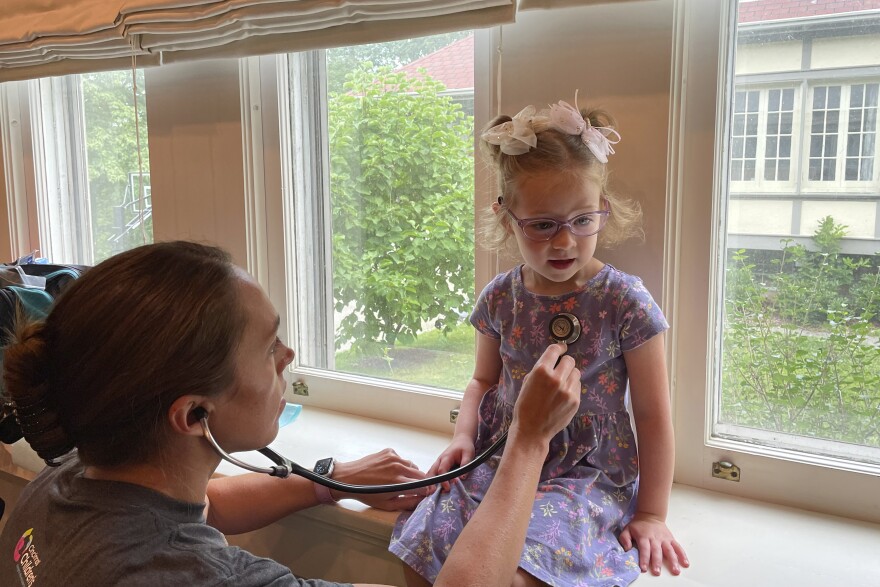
{"x":600,"y":508}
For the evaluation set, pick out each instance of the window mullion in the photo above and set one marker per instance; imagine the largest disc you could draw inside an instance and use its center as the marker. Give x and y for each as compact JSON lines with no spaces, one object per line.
{"x":311,"y":225}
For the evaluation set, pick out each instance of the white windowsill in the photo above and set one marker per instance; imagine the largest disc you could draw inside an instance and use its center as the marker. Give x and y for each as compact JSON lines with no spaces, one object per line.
{"x":730,"y":541}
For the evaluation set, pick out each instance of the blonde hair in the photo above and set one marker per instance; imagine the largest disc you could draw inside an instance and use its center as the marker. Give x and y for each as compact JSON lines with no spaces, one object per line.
{"x":567,"y":154}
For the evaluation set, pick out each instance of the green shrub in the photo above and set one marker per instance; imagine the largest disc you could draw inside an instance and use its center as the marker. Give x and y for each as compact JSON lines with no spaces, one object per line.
{"x":800,"y":342}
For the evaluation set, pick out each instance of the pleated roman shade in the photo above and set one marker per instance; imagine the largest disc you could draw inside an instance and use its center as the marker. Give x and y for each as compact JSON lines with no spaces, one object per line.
{"x":54,"y":37}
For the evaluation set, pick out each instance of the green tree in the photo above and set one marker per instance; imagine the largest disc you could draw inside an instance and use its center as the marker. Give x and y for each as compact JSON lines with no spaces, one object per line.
{"x":111,"y":145}
{"x":402,"y":186}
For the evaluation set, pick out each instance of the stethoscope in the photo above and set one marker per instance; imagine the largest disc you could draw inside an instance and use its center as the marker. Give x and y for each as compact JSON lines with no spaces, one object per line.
{"x":564,"y":327}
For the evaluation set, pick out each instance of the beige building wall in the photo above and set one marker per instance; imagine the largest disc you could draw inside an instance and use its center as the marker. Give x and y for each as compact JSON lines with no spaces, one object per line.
{"x":769,"y":57}
{"x":759,"y":216}
{"x":845,"y":52}
{"x":859,"y":217}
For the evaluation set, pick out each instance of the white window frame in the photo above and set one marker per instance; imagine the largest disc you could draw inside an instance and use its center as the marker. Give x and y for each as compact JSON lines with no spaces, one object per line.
{"x":702,"y":74}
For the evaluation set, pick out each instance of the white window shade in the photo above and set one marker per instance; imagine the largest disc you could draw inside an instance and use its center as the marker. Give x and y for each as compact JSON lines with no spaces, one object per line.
{"x":46,"y":37}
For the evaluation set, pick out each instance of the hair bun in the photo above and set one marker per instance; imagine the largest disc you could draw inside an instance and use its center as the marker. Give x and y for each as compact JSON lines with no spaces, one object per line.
{"x":26,"y":377}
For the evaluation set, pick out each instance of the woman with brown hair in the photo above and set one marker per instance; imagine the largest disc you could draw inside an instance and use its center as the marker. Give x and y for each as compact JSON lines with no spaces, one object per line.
{"x":121,"y":370}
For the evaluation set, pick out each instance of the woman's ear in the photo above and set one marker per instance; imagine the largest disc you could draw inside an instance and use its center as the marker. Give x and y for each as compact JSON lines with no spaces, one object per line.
{"x":185,"y":414}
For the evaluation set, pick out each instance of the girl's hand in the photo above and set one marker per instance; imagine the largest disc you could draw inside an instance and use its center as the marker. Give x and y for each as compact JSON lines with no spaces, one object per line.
{"x":381,"y":468}
{"x":656,"y":544}
{"x":459,"y":452}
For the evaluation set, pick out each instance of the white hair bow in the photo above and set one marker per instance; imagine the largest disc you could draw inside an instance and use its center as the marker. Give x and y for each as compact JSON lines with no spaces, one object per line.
{"x":566,"y":118}
{"x":516,"y":136}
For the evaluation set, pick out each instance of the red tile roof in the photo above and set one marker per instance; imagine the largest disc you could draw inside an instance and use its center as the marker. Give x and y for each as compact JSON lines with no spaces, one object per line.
{"x":453,"y":65}
{"x":762,"y":10}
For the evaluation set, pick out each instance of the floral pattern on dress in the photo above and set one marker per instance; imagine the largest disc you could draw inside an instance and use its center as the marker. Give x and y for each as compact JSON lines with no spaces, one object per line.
{"x":589,"y":480}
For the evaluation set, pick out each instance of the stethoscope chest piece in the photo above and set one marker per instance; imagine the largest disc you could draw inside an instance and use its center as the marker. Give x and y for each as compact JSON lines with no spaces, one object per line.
{"x":565,"y":327}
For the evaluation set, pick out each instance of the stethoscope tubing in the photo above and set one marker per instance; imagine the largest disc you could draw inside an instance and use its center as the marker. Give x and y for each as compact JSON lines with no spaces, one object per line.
{"x":284,"y":467}
{"x":564,"y":327}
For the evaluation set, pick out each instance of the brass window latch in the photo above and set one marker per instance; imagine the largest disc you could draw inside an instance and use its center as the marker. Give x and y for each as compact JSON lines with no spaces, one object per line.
{"x":725,"y":470}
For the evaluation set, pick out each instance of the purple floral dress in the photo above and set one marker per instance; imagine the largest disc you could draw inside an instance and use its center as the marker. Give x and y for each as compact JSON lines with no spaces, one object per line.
{"x":590,"y":478}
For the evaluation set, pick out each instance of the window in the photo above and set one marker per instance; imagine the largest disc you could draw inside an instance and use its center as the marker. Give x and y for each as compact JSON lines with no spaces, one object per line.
{"x":744,"y":141}
{"x":381,"y":220}
{"x":763,"y":147}
{"x":862,"y":133}
{"x":780,"y":125}
{"x":85,"y":189}
{"x":842,"y":134}
{"x":789,"y":391}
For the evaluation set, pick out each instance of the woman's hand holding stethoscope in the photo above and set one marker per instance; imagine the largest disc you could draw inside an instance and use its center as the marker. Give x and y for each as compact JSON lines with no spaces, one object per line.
{"x":385,"y":466}
{"x":549,"y":397}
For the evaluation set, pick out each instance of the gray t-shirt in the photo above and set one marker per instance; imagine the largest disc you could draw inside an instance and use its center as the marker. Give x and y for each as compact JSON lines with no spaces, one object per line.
{"x":67,"y":530}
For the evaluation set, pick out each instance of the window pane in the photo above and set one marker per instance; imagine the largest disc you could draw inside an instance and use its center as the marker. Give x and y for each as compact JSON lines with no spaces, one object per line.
{"x":833,"y":97}
{"x":852,"y":169}
{"x":739,"y":102}
{"x":785,"y":146}
{"x":96,"y":200}
{"x":853,"y":145}
{"x":121,"y":206}
{"x":736,"y":170}
{"x":866,"y":171}
{"x":784,"y":170}
{"x":779,"y":131}
{"x":785,"y":124}
{"x":857,"y":96}
{"x":788,"y":100}
{"x":860,"y":133}
{"x":751,"y":148}
{"x":401,"y":212}
{"x":744,"y":139}
{"x":800,"y":366}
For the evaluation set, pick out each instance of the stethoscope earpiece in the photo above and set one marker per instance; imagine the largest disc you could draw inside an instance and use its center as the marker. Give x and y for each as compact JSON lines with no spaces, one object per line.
{"x":565,"y":327}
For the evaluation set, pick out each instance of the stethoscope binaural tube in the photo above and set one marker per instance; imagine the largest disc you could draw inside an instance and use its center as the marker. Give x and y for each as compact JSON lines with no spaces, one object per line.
{"x":284,"y":467}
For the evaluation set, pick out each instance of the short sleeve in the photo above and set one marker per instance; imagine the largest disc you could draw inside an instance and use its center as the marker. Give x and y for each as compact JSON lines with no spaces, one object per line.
{"x":639,"y":316}
{"x":485,"y":310}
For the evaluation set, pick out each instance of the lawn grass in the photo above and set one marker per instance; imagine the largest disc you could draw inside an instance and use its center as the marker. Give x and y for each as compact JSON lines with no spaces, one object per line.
{"x":435,"y":359}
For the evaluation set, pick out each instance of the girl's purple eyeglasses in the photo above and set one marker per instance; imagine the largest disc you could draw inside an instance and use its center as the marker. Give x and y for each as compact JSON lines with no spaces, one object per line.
{"x":543,"y":229}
